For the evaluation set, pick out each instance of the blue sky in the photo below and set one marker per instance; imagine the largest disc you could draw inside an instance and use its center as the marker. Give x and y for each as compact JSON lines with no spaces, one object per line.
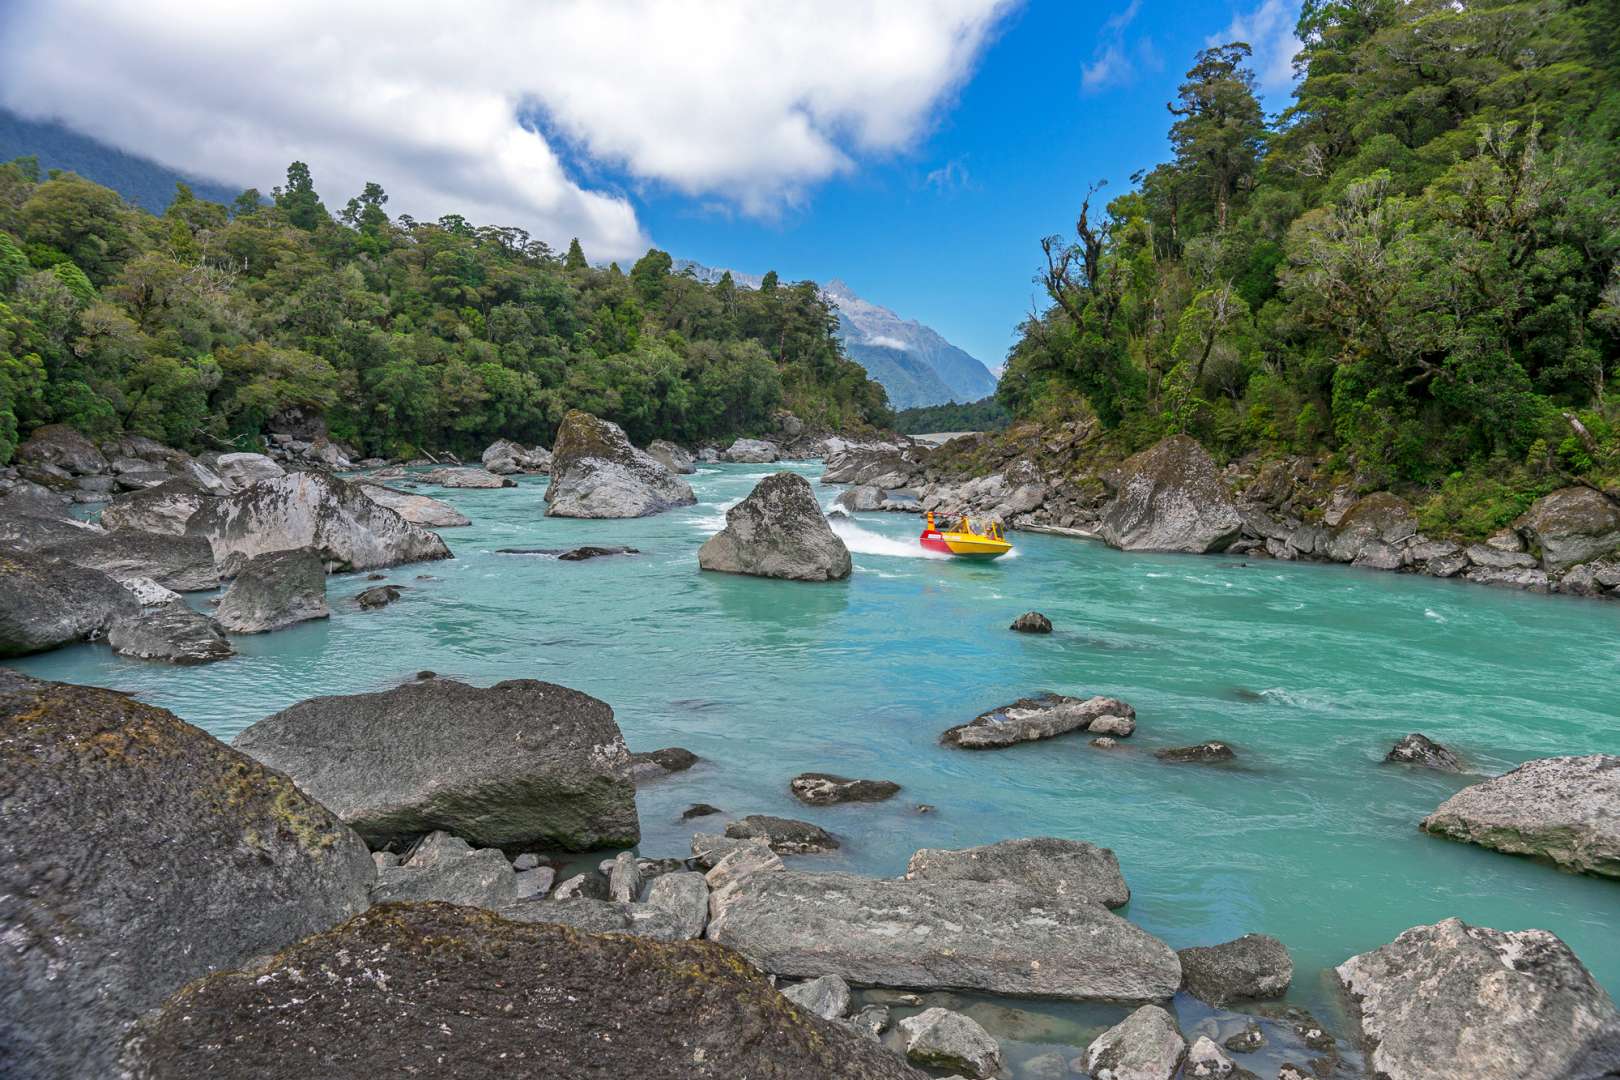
{"x":949,"y":233}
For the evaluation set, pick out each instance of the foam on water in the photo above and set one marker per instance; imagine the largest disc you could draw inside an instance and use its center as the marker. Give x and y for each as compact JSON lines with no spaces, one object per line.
{"x":864,"y":542}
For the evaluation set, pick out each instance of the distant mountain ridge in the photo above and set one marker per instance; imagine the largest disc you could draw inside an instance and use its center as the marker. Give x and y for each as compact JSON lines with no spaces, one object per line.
{"x":915,"y":364}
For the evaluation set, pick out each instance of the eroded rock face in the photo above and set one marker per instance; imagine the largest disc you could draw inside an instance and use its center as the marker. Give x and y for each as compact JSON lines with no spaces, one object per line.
{"x":1171,"y":498}
{"x":162,"y":509}
{"x":45,"y":602}
{"x":1565,"y":809}
{"x":596,"y":473}
{"x":1066,"y":869}
{"x":1146,"y":1045}
{"x":778,"y":531}
{"x":1029,"y":719}
{"x":1252,"y":966}
{"x":173,"y":633}
{"x":964,"y":935}
{"x":368,"y":999}
{"x":404,"y":762}
{"x":1416,"y":749}
{"x":1459,"y":1002}
{"x":274,"y":590}
{"x":416,"y":509}
{"x":182,"y":563}
{"x":137,"y":853}
{"x":825,"y":789}
{"x":311,"y":510}
{"x":1571,"y":525}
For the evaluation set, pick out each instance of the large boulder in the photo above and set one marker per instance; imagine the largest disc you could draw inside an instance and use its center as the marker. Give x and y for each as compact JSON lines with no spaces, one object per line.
{"x":1369,"y":530}
{"x":275,"y":590}
{"x":1030,"y":719}
{"x":404,"y":762}
{"x":677,"y":459}
{"x":62,"y":447}
{"x":416,"y":509}
{"x":596,"y":473}
{"x":1565,"y":809}
{"x":1171,"y":498}
{"x":45,"y":602}
{"x":506,"y":458}
{"x":751,"y":452}
{"x":1570,"y":526}
{"x":313,"y":510}
{"x":165,"y":508}
{"x":173,"y":633}
{"x":1146,"y":1045}
{"x":37,"y":532}
{"x":778,"y":531}
{"x":1459,"y":1002}
{"x":407,"y":989}
{"x":959,"y":935}
{"x":1252,"y":966}
{"x":466,"y":477}
{"x":242,"y":471}
{"x":137,"y":853}
{"x":1066,"y":869}
{"x":182,"y":563}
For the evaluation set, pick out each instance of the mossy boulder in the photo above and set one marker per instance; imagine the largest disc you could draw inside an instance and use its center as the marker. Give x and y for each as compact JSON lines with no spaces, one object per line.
{"x":138,"y":853}
{"x":597,"y":473}
{"x":1571,"y":525}
{"x":1171,"y":498}
{"x":778,"y":531}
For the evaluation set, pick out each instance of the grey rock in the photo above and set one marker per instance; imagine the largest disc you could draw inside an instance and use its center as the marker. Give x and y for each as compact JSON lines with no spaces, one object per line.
{"x":827,"y":996}
{"x":778,"y":531}
{"x":182,"y":563}
{"x":1496,"y":559}
{"x":871,"y":1021}
{"x":733,"y":870}
{"x":416,"y":758}
{"x":751,"y":452}
{"x":825,"y":789}
{"x":1204,"y":753}
{"x":1587,"y":579}
{"x":274,"y":590}
{"x":624,"y":878}
{"x":526,"y":861}
{"x":1571,"y":525}
{"x":1252,"y":966}
{"x":416,"y":509}
{"x":1422,"y":549}
{"x":1415,"y":749}
{"x":1205,"y":1059}
{"x":1171,"y":498}
{"x":1377,"y":555}
{"x":139,"y":853}
{"x":1445,"y":566}
{"x":964,"y":935}
{"x":1247,"y":1041}
{"x":446,"y":868}
{"x":45,"y":602}
{"x":596,"y":473}
{"x":1064,"y":869}
{"x":708,"y":848}
{"x":942,"y":1039}
{"x":1029,"y":719}
{"x":313,"y":510}
{"x":26,"y":497}
{"x":589,"y":886}
{"x":148,"y":593}
{"x":1527,"y":578}
{"x":1459,"y":1002}
{"x":1369,"y":531}
{"x":1105,"y":742}
{"x":599,"y":917}
{"x":506,"y":458}
{"x":674,"y":458}
{"x":701,"y":809}
{"x":378,"y":596}
{"x":1032,"y":622}
{"x":1564,"y":809}
{"x":1508,"y":540}
{"x":1113,"y":726}
{"x":684,"y":897}
{"x":165,"y":508}
{"x":533,"y":884}
{"x":62,"y":447}
{"x":1146,"y":1045}
{"x":172,"y":633}
{"x":656,"y":764}
{"x":242,"y":471}
{"x":785,"y":835}
{"x":466,"y":477}
{"x":34,"y":532}
{"x":861,"y":498}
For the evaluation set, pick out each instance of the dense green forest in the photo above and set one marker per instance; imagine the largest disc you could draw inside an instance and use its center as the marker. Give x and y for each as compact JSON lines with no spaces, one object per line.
{"x":1413,"y":267}
{"x":198,"y":326}
{"x":986,"y":414}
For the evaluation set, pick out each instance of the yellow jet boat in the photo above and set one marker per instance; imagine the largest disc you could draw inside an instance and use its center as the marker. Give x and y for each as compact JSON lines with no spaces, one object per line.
{"x":969,"y":540}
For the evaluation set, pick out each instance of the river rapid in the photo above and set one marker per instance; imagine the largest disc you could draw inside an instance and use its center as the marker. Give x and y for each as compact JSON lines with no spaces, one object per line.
{"x":1311,"y":672}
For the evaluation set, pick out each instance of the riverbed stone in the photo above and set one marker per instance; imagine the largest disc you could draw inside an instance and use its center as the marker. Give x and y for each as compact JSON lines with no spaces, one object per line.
{"x":1066,"y":869}
{"x":1249,"y":967}
{"x":182,"y":563}
{"x":1146,"y":1045}
{"x":751,"y":452}
{"x":403,"y":762}
{"x":165,"y":508}
{"x":447,"y":868}
{"x":941,"y":1039}
{"x":137,"y":853}
{"x":596,"y":473}
{"x":416,"y":509}
{"x":1171,"y":498}
{"x":827,"y":996}
{"x":684,"y":896}
{"x":778,"y":531}
{"x":1416,"y":749}
{"x":46,"y":602}
{"x":1458,"y":1002}
{"x":785,"y":835}
{"x":1571,"y":525}
{"x":313,"y":510}
{"x":1199,"y":753}
{"x":1564,"y":809}
{"x":965,"y":935}
{"x":242,"y":471}
{"x":173,"y":633}
{"x":1030,"y":719}
{"x":406,"y":985}
{"x":274,"y":590}
{"x":1032,"y":622}
{"x":825,"y":789}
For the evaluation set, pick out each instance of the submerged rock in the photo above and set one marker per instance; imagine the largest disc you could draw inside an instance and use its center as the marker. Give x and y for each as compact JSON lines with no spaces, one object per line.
{"x":1565,"y":809}
{"x":1415,"y":749}
{"x":942,"y":1039}
{"x":165,"y":508}
{"x":416,"y":509}
{"x":1146,"y":1045}
{"x":173,"y":633}
{"x":466,"y":477}
{"x":580,"y":554}
{"x":962,"y":935}
{"x":45,"y":602}
{"x":1171,"y":498}
{"x":182,"y":563}
{"x":596,"y":473}
{"x":1459,"y":1002}
{"x":274,"y":590}
{"x":1571,"y":525}
{"x":1029,"y":719}
{"x":778,"y":531}
{"x":1066,"y":869}
{"x":376,"y":997}
{"x":1252,"y":966}
{"x":139,"y":853}
{"x":825,"y":789}
{"x":378,"y":596}
{"x":417,"y":758}
{"x":1032,"y":622}
{"x":1200,"y":753}
{"x":785,"y":836}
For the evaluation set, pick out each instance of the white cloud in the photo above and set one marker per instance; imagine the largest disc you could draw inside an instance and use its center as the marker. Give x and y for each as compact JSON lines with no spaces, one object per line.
{"x":1114,"y":61}
{"x":1269,"y":30}
{"x":747,"y":104}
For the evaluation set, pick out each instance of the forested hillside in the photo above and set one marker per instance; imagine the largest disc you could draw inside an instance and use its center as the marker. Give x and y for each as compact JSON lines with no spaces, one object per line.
{"x":1414,"y":267}
{"x":199,"y":326}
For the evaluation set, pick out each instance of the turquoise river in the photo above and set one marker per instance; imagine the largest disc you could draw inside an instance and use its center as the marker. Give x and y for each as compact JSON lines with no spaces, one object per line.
{"x":1310,"y":672}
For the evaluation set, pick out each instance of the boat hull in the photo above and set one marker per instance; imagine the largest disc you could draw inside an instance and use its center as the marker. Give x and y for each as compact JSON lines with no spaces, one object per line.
{"x":964,"y":545}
